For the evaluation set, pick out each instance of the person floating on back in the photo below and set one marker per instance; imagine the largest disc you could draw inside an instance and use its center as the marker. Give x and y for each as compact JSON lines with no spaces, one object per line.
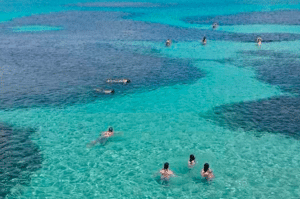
{"x":258,"y":41}
{"x":124,"y":81}
{"x":204,"y":41}
{"x":207,"y":172}
{"x":105,"y":91}
{"x":103,"y":137}
{"x":166,"y":173}
{"x":168,"y":42}
{"x":192,"y":161}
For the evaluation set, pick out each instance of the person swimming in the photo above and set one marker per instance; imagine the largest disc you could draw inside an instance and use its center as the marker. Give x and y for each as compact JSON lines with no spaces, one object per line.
{"x":108,"y":133}
{"x":207,"y":172}
{"x":192,"y":161}
{"x":204,"y":41}
{"x":258,"y":41}
{"x":124,"y":81}
{"x":103,"y":137}
{"x":168,"y":42}
{"x":105,"y":91}
{"x":215,"y":25}
{"x":166,"y":173}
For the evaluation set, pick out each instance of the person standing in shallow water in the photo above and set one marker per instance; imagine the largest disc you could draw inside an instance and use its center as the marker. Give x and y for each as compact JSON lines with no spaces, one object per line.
{"x":207,"y":172}
{"x":192,"y":161}
{"x":204,"y":41}
{"x":168,"y":42}
{"x":103,"y":137}
{"x":258,"y":41}
{"x":214,"y":26}
{"x":166,"y":173}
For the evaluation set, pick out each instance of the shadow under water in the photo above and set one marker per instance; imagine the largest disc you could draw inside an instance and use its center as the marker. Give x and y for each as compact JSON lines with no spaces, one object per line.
{"x":275,"y":115}
{"x":19,"y":158}
{"x":65,"y":66}
{"x":283,"y":17}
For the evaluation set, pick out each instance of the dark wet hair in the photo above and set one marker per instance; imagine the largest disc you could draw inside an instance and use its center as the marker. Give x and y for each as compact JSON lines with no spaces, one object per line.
{"x":110,"y":129}
{"x":112,"y":91}
{"x":166,"y":165}
{"x":192,"y":157}
{"x":204,"y":38}
{"x":206,"y":166}
{"x":128,"y":80}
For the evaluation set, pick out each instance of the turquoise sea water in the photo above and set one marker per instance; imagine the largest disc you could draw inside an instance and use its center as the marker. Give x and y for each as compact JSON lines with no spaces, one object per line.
{"x":165,"y":123}
{"x":34,"y":28}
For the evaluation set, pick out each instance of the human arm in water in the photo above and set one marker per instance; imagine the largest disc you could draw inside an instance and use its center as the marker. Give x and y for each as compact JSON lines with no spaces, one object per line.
{"x":102,"y":138}
{"x":107,"y":134}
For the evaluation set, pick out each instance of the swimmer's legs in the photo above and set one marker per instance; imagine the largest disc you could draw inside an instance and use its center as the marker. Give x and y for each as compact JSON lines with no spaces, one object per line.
{"x":91,"y":144}
{"x":101,"y":140}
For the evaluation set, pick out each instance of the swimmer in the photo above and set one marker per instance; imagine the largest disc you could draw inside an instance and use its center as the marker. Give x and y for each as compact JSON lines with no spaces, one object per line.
{"x":166,"y":173}
{"x":124,"y":81}
{"x":204,"y":41}
{"x":215,"y":25}
{"x":168,"y":42}
{"x":103,"y":137}
{"x":192,"y":161}
{"x":207,"y":172}
{"x":105,"y":91}
{"x":258,"y":41}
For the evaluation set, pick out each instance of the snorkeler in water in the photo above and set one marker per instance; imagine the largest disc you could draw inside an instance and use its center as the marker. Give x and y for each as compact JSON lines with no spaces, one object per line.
{"x":207,"y":172}
{"x":168,"y":42}
{"x":124,"y":81}
{"x":166,"y":173}
{"x":204,"y":41}
{"x":191,"y":161}
{"x":103,"y":137}
{"x":105,"y":91}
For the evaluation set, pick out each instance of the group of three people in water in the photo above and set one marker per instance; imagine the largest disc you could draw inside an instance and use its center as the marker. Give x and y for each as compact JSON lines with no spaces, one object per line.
{"x":166,"y":173}
{"x":206,"y":172}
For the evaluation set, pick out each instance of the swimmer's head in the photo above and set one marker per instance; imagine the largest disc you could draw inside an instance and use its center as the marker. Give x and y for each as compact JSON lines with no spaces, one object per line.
{"x":110,"y":129}
{"x":192,"y":157}
{"x":128,"y":80}
{"x":206,"y":167}
{"x":166,"y":165}
{"x":112,"y":91}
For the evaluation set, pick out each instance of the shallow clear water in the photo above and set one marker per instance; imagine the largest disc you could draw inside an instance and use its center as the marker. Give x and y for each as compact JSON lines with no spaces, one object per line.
{"x":213,"y":101}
